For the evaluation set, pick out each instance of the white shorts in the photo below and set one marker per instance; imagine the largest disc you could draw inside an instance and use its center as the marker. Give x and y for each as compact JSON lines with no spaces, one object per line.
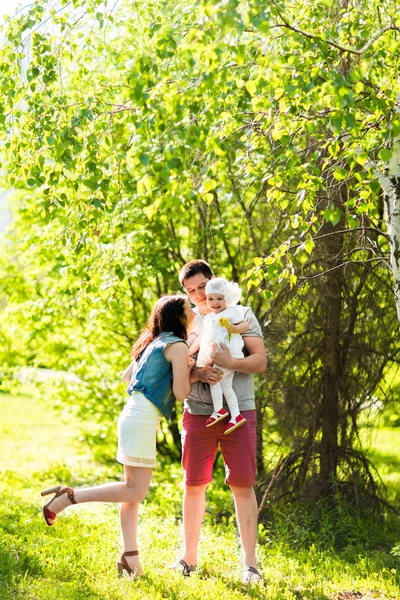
{"x":137,"y":427}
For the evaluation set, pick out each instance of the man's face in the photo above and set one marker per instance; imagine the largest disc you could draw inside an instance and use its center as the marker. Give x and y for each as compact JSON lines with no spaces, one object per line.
{"x":196,"y":290}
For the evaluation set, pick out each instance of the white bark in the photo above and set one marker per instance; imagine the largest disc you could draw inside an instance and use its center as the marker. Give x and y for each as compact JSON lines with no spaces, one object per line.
{"x":392,"y":208}
{"x":390,"y":183}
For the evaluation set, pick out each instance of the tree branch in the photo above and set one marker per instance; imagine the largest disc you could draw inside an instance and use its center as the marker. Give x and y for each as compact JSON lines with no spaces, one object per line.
{"x":332,"y":42}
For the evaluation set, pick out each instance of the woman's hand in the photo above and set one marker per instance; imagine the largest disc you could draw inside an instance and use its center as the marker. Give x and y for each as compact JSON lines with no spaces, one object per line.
{"x":192,"y":363}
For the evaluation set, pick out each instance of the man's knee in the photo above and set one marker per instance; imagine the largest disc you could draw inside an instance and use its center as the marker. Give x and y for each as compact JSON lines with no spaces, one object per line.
{"x":244,"y":492}
{"x":195,"y":490}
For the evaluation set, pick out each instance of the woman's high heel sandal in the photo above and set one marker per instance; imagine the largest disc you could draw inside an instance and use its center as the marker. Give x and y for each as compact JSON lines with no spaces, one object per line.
{"x":123,"y":565}
{"x":49,"y":516}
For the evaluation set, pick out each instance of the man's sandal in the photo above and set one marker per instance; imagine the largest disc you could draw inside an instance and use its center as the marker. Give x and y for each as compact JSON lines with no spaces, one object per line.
{"x":181,"y":566}
{"x":251,"y":575}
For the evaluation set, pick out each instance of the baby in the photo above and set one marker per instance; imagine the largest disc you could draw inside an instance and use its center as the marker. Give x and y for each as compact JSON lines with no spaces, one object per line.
{"x":223,"y":325}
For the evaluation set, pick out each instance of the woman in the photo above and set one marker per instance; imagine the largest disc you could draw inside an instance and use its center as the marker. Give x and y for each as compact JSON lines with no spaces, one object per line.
{"x":158,"y":375}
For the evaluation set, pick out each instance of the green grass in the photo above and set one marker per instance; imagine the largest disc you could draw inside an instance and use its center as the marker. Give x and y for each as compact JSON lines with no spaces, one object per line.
{"x":74,"y":560}
{"x":385,"y":454}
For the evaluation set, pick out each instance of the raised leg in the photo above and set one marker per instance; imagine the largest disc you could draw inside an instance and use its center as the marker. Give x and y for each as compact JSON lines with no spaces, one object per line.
{"x":132,"y":490}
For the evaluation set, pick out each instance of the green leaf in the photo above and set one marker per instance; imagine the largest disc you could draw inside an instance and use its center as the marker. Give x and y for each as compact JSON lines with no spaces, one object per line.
{"x":144,"y":159}
{"x":119,"y":272}
{"x":333,"y":215}
{"x":251,"y":87}
{"x":309,"y":246}
{"x":359,"y":87}
{"x":209,"y":185}
{"x":362,"y":158}
{"x":385,"y":155}
{"x":340,"y":174}
{"x":350,"y":120}
{"x":352,"y":221}
{"x":208,"y":197}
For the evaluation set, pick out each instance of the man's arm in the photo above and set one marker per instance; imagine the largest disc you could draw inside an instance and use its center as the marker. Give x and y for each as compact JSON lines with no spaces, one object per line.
{"x":256,"y":362}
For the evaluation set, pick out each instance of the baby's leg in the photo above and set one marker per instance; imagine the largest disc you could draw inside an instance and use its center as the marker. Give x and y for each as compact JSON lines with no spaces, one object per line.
{"x":230,"y":396}
{"x":216,"y":395}
{"x":219,"y":412}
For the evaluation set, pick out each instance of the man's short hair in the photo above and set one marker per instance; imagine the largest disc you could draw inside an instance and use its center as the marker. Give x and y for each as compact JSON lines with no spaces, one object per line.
{"x":194,"y":267}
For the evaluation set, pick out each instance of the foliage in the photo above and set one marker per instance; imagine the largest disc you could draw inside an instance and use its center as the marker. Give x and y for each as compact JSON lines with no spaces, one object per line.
{"x":298,"y":365}
{"x":136,"y":133}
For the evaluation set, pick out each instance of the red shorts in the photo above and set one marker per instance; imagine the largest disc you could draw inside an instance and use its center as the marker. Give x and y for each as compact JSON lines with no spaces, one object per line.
{"x":200,"y":444}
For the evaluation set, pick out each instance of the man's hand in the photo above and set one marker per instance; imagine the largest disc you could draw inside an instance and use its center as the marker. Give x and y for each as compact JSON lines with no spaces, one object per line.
{"x":256,"y":362}
{"x":222,"y":357}
{"x":207,"y":374}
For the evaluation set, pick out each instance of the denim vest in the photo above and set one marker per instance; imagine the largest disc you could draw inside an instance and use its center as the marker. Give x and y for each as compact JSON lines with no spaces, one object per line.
{"x":152,"y":374}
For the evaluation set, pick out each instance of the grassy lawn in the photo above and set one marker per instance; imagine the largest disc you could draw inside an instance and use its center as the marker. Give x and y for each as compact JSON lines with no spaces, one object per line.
{"x":75,"y":559}
{"x":385,"y":454}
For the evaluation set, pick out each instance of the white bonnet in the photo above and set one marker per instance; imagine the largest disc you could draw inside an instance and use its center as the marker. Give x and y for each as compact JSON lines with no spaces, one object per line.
{"x":230,"y":290}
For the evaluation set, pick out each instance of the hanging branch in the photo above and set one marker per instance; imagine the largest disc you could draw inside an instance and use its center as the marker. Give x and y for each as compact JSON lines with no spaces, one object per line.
{"x":331,"y":42}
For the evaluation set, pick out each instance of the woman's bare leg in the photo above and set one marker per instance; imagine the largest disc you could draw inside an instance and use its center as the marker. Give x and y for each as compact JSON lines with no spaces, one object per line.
{"x":137,"y":478}
{"x":129,"y":493}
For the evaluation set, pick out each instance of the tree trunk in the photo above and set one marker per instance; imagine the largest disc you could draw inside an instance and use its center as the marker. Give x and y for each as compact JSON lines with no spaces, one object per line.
{"x":390,"y":183}
{"x":261,"y":472}
{"x":329,"y":409}
{"x":392,"y":211}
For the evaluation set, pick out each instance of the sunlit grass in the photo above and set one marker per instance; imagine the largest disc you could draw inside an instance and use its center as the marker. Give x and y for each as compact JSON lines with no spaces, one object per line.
{"x":75,"y":559}
{"x":385,"y":454}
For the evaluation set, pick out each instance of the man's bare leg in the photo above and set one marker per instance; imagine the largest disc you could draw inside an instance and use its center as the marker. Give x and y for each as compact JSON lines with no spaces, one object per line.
{"x":194,"y":504}
{"x":247,"y":516}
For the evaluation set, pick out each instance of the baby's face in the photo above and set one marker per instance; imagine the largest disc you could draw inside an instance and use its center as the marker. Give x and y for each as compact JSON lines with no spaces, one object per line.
{"x":216,"y":302}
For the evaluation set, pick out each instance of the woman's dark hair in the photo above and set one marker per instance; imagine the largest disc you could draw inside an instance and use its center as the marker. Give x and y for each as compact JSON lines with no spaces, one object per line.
{"x":168,"y":314}
{"x":194,"y":267}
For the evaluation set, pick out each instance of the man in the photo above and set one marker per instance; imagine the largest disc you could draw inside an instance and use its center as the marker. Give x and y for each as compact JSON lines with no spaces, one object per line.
{"x":200,"y":443}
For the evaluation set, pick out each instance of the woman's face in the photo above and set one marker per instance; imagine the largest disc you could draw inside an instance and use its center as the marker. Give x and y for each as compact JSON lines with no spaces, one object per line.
{"x":189,"y":314}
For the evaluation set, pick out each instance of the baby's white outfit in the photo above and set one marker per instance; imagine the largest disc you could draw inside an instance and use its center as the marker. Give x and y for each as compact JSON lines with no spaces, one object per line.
{"x":214,"y":333}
